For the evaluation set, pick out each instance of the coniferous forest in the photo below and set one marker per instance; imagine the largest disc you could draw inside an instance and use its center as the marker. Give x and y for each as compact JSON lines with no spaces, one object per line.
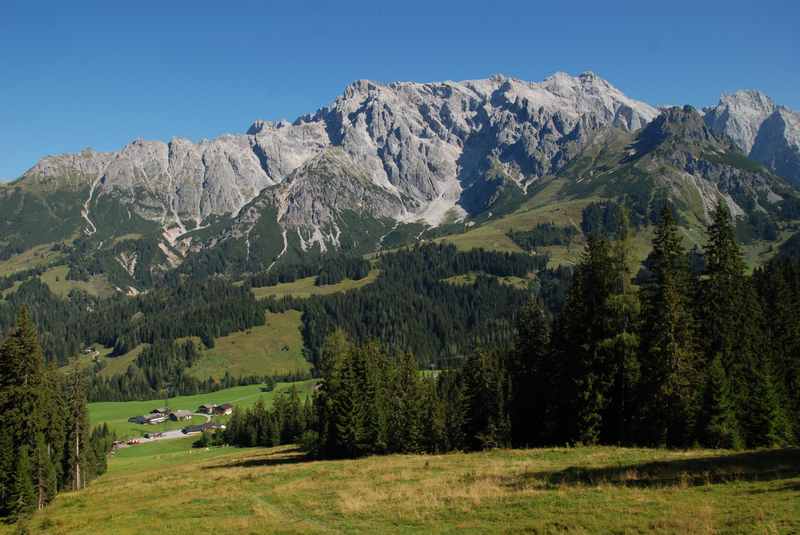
{"x":683,"y":358}
{"x":46,"y":444}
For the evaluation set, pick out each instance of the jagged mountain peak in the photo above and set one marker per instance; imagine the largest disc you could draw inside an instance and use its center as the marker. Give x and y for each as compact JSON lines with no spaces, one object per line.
{"x":684,"y":123}
{"x":751,"y":99}
{"x":767,"y":132}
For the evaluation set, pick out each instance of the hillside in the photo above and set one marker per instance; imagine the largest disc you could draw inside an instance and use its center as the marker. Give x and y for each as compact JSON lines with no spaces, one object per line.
{"x":171,"y":488}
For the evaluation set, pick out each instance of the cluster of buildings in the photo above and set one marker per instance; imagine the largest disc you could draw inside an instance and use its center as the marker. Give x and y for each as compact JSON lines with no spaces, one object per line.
{"x":219,"y":410}
{"x":162,"y":414}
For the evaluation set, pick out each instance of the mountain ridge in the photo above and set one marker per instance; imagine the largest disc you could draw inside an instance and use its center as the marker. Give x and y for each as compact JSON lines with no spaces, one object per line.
{"x":378,"y":158}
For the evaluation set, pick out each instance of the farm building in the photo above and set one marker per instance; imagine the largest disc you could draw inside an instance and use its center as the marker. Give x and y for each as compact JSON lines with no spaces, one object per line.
{"x":151,"y":419}
{"x":161,"y":410}
{"x":206,"y":409}
{"x":177,"y":416}
{"x":208,"y":426}
{"x":225,"y":408}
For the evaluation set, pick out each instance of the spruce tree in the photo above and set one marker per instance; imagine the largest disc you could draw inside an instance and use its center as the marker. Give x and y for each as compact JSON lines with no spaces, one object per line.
{"x":405,"y":428}
{"x":23,"y":496}
{"x":720,"y":429}
{"x":669,"y":356}
{"x":733,"y":328}
{"x":534,"y":376}
{"x":23,"y":400}
{"x":348,"y":415}
{"x":334,"y":352}
{"x":77,"y":432}
{"x":487,"y":387}
{"x":587,"y":320}
{"x":43,"y":473}
{"x":8,"y":464}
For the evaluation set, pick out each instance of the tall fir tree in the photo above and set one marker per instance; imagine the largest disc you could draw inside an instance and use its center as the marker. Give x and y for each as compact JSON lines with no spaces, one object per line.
{"x":732,"y":326}
{"x":77,"y":450}
{"x":719,"y":427}
{"x":405,"y":427}
{"x":8,"y":465}
{"x":587,"y":320}
{"x":23,"y":495}
{"x":533,"y":378}
{"x":22,"y":378}
{"x":671,"y":380}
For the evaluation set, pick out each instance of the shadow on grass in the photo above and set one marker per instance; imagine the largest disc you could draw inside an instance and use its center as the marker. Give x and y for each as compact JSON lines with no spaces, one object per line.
{"x":765,"y":465}
{"x":292,"y":456}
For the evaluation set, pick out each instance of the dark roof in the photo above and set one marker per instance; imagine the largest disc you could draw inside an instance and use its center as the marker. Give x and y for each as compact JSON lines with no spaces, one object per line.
{"x":208,"y":426}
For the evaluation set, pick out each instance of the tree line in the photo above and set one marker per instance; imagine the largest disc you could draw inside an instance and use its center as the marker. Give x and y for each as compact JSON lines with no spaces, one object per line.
{"x":689,"y":358}
{"x":412,"y":307}
{"x":329,"y":270}
{"x":45,"y":442}
{"x":285,"y":423}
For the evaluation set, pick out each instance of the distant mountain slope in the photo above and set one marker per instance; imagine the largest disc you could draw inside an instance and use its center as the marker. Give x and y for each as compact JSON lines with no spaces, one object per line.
{"x":676,"y":157}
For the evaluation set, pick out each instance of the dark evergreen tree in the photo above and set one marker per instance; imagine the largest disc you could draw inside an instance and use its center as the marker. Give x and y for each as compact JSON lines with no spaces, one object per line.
{"x":732,"y":327}
{"x":487,"y":387}
{"x":77,"y":459}
{"x":23,"y":495}
{"x":587,"y":320}
{"x":533,"y":375}
{"x":669,"y":390}
{"x":719,"y":427}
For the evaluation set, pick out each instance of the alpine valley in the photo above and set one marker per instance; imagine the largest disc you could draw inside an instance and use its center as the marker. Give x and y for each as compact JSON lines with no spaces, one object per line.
{"x":386,"y":165}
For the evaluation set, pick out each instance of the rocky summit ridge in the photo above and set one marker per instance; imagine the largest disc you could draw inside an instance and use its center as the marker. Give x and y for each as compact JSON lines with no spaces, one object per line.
{"x":423,"y":143}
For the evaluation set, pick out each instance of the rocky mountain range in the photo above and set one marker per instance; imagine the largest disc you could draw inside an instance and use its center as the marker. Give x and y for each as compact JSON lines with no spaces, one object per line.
{"x":382,"y":156}
{"x":766,"y":132}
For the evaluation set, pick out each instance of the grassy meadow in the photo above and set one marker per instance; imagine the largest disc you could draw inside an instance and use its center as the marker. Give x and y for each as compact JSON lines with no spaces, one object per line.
{"x":303,"y":288}
{"x":116,"y":413}
{"x":170,"y":488}
{"x":56,"y":279}
{"x":468,"y":279}
{"x":275,"y":348}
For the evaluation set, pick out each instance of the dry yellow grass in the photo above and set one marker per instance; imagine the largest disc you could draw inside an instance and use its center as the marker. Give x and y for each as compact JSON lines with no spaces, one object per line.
{"x":580,"y":490}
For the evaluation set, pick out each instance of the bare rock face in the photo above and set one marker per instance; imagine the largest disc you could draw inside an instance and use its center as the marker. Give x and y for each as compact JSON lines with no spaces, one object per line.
{"x":404,"y":151}
{"x":420,"y":142}
{"x":429,"y":141}
{"x":763,"y":130}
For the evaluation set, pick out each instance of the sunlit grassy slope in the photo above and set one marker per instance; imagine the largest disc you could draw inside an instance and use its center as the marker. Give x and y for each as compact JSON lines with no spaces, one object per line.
{"x":275,"y":348}
{"x":169,"y":488}
{"x":56,"y":279}
{"x":41,"y":255}
{"x":116,"y":414}
{"x":469,"y":279}
{"x":305,"y":287}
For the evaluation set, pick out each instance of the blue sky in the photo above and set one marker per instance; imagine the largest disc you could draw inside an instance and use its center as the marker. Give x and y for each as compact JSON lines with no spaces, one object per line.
{"x":99,"y":74}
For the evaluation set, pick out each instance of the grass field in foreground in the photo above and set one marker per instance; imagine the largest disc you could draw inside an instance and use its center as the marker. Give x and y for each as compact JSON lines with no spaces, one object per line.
{"x":170,"y":489}
{"x":303,"y":288}
{"x":116,"y":414}
{"x":275,"y":348}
